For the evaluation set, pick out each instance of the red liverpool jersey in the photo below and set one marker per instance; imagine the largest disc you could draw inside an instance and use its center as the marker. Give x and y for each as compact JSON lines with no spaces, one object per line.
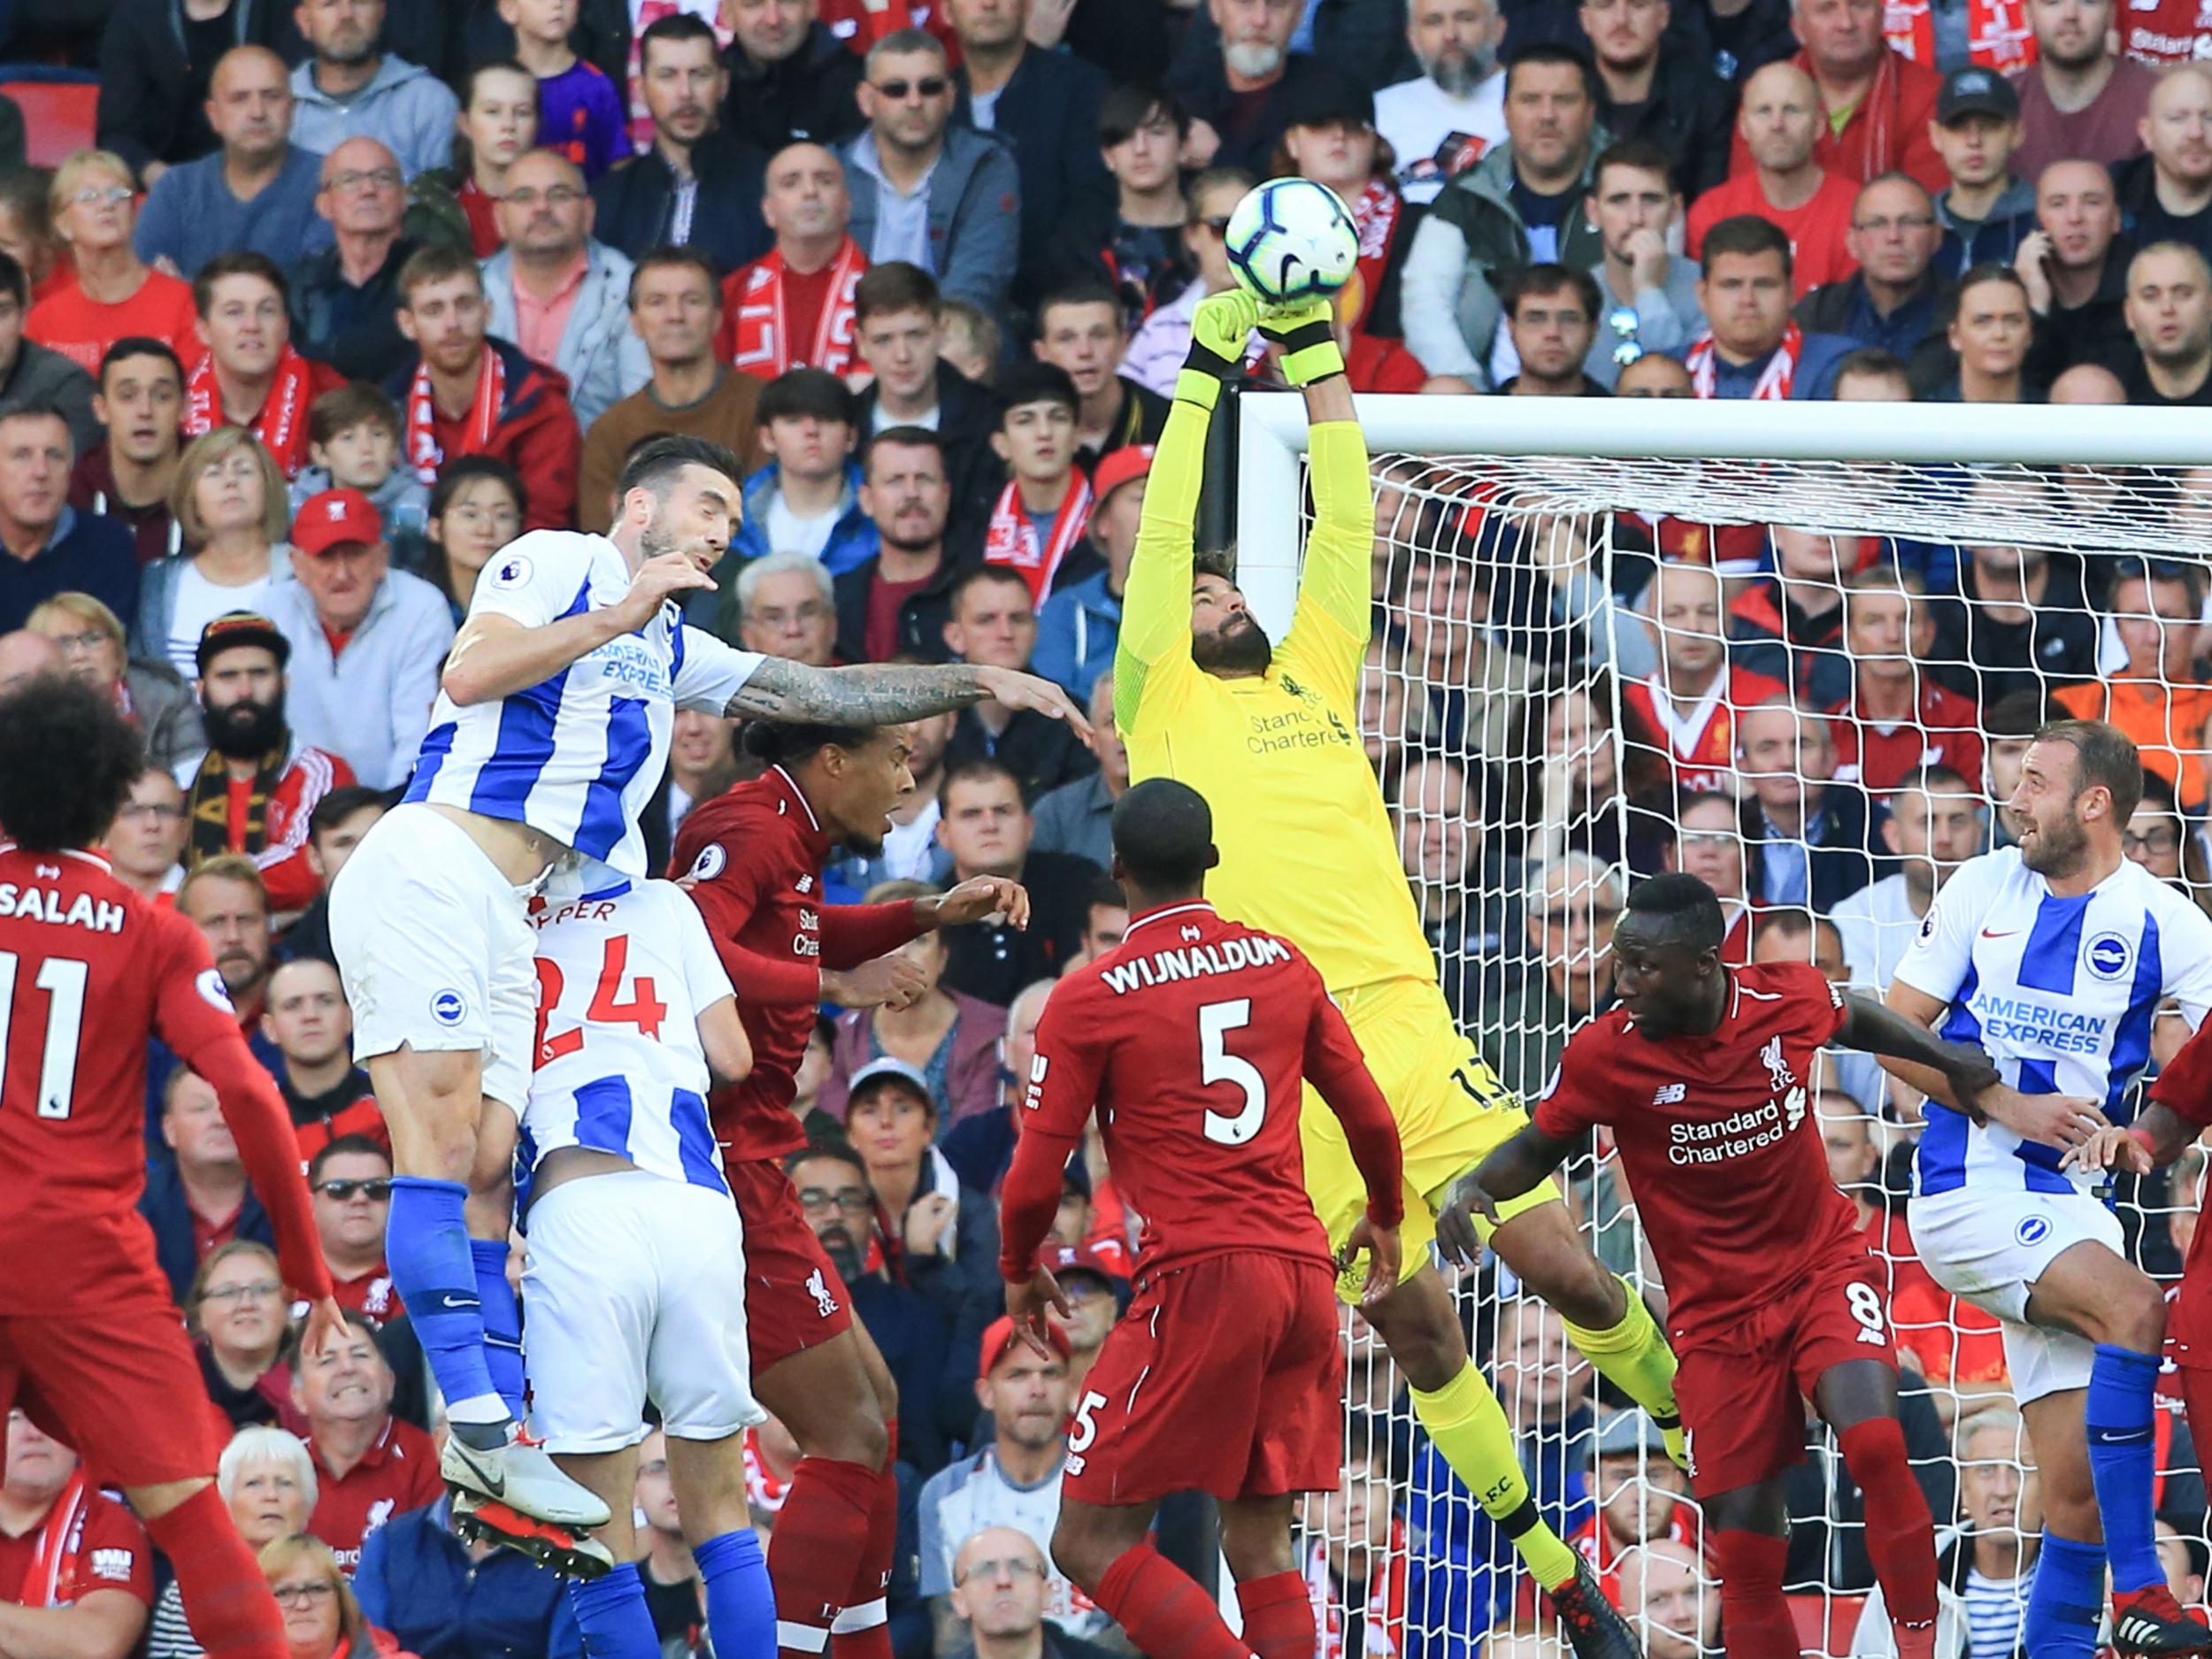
{"x":1878,"y":756}
{"x":2185,"y":1088}
{"x":1190,"y":1039}
{"x":1700,"y":741}
{"x":755,"y":859}
{"x":88,"y":972}
{"x":1718,"y":1142}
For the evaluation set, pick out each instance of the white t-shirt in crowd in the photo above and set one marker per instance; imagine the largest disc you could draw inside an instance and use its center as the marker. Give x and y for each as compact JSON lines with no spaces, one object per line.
{"x":1417,"y":116}
{"x":788,"y":533}
{"x":199,"y":601}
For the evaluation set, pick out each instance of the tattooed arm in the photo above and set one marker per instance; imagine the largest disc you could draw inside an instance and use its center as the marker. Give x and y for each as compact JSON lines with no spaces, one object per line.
{"x":885,"y":693}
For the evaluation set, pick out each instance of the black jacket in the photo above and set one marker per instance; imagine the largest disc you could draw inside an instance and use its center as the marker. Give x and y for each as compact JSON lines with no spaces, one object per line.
{"x":922,"y":614}
{"x":1048,"y":111}
{"x":1690,"y":114}
{"x":1200,"y":79}
{"x":991,"y":961}
{"x":967,"y":415}
{"x":1143,"y":418}
{"x":1848,"y":856}
{"x":1044,"y":753}
{"x":169,"y":1213}
{"x":354,"y":329}
{"x":1927,"y":356}
{"x":152,"y":93}
{"x":1980,"y":657}
{"x":637,"y":200}
{"x":809,"y":95}
{"x":2095,"y":331}
{"x":1362,"y":41}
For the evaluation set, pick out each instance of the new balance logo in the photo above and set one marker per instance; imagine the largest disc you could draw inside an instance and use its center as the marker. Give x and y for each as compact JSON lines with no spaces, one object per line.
{"x":112,"y":1564}
{"x":1672,"y":1095}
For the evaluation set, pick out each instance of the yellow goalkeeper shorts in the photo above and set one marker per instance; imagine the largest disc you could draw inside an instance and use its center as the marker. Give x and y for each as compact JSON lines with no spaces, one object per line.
{"x":1450,"y":1108}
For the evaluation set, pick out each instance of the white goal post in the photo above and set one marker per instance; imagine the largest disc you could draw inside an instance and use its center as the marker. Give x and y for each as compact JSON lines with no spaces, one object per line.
{"x":1868,"y":481}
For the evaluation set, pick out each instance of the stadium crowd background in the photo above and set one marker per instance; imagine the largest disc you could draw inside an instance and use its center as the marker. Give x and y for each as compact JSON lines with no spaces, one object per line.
{"x":342,"y":297}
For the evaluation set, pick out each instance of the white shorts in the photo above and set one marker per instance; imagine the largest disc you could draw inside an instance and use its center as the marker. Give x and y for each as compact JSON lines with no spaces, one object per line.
{"x":1990,"y":1248}
{"x":435,"y":949}
{"x":634,"y":1289}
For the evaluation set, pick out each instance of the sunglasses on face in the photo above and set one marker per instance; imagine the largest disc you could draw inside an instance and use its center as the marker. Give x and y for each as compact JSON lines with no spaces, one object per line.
{"x":377,"y":1187}
{"x":928,"y":86}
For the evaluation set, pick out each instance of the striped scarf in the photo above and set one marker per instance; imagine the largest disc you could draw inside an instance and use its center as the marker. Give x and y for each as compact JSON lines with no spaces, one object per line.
{"x":207,"y":804}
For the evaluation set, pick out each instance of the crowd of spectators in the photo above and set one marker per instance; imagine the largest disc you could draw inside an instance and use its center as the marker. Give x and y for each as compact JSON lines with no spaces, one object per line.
{"x":346,"y":295}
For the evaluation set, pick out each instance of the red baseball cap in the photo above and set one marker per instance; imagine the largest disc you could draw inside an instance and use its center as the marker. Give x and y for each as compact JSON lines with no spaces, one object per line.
{"x":1064,"y":1259}
{"x":335,"y":516}
{"x":1119,"y":468}
{"x":999,"y":1336}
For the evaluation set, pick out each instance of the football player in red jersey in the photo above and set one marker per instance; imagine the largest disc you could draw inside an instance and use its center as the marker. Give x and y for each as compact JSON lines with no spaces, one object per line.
{"x":753,"y":859}
{"x":90,"y":1347}
{"x":1701,"y":1072}
{"x":1190,"y":1040}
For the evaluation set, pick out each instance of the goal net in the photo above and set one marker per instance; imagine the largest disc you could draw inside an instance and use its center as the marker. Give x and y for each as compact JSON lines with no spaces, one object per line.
{"x":1553,"y":718}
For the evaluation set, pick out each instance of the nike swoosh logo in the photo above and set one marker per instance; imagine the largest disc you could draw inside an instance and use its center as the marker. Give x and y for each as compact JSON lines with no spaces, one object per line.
{"x":494,"y":1480}
{"x":2007,"y":933}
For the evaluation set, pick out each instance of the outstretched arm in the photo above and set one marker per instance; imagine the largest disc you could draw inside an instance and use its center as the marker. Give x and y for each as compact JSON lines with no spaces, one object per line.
{"x":2057,"y":1120}
{"x":1339,"y":550}
{"x":1510,"y":1171}
{"x":1872,"y":1029}
{"x":888,"y":693}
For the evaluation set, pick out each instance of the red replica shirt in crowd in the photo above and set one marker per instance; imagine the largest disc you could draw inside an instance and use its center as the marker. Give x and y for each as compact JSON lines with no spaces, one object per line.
{"x":1190,"y":1039}
{"x":755,"y":856}
{"x":399,"y":1472}
{"x":1816,"y":228}
{"x":1878,"y":756}
{"x":1719,"y":1142}
{"x":88,"y":972}
{"x":2162,"y":32}
{"x":1700,"y":741}
{"x":87,"y":1541}
{"x":2185,"y":1088}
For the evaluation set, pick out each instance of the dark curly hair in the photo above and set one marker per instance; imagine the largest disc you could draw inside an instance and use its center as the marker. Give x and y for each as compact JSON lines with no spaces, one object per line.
{"x":784,"y":743}
{"x":67,"y":761}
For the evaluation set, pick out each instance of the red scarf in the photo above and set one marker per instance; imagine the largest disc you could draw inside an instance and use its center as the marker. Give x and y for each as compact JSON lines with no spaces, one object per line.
{"x":1012,"y":540}
{"x":1774,"y":381}
{"x":281,"y":426}
{"x":1377,"y":215}
{"x":763,"y":1490}
{"x":763,"y":334}
{"x":54,"y":1576}
{"x":1384,"y":1618}
{"x":1998,"y":35}
{"x":423,"y":453}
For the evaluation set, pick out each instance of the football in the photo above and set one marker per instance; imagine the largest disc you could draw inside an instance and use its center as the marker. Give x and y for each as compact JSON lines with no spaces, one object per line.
{"x":1290,"y":240}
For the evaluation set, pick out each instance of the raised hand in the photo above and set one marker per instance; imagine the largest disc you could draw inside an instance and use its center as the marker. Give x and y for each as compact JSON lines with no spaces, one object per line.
{"x":974,"y":899}
{"x":1013,"y":690}
{"x":1025,"y":1306}
{"x":657,"y":580}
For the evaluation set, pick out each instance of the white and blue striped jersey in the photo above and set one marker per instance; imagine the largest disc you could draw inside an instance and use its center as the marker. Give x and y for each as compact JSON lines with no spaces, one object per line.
{"x":2060,"y":992}
{"x":578,"y":756}
{"x":624,"y":973}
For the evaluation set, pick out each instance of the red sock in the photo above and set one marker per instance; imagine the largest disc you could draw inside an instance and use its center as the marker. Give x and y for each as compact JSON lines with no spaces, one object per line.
{"x":1163,"y":1609}
{"x":1899,"y":1532}
{"x":862,"y":1631}
{"x":1278,"y":1616}
{"x":1754,"y":1617}
{"x":820,"y":1533}
{"x":226,"y":1601}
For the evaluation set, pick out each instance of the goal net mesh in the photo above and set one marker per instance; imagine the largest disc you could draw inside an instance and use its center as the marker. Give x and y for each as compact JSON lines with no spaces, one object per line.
{"x":1534,"y":776}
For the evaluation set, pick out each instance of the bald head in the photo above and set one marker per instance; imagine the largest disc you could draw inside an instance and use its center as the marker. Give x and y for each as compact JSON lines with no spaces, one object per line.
{"x":2176,"y":127}
{"x":2088,"y":383}
{"x":26,"y":655}
{"x":1781,"y":117}
{"x":546,"y":215}
{"x":250,"y":104}
{"x":364,"y":193}
{"x":806,"y":201}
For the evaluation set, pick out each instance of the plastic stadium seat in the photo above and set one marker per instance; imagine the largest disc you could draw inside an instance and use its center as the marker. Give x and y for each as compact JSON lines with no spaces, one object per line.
{"x":58,"y":115}
{"x":1826,"y":1622}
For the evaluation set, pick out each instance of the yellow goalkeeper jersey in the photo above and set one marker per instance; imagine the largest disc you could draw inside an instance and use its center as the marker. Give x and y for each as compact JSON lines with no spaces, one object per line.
{"x":1307,"y":847}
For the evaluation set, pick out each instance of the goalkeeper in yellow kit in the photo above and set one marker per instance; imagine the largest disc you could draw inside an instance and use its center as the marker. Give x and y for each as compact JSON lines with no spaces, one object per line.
{"x":1269,"y":736}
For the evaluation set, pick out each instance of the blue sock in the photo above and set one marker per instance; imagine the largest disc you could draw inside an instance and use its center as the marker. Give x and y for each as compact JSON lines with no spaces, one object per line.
{"x":611,"y":1611}
{"x":2065,"y":1601}
{"x":503,"y":1320}
{"x":740,"y":1605}
{"x":2122,"y":1462}
{"x":426,"y":1246}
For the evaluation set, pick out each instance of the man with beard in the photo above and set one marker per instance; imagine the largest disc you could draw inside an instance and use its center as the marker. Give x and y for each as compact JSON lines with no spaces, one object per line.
{"x":1241,"y":87}
{"x":2079,"y":98}
{"x":898,"y":602}
{"x":2005,"y":1210}
{"x":253,"y":788}
{"x":754,"y":859}
{"x":1308,"y":852}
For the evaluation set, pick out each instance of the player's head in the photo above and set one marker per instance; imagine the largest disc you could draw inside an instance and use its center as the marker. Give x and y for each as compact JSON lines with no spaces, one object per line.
{"x":680,"y":495}
{"x":2079,"y":782}
{"x":851,"y":775}
{"x":1224,"y":637}
{"x":1164,"y":841}
{"x":1666,"y":954}
{"x":67,"y":761}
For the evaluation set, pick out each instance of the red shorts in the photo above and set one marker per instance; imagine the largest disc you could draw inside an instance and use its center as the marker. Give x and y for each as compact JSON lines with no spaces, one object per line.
{"x":1741,"y":1392}
{"x":794,"y":1296}
{"x":1224,"y":1377}
{"x":122,"y":1388}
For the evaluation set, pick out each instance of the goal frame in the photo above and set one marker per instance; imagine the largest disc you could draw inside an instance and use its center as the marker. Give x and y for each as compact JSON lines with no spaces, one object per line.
{"x":1272,"y":445}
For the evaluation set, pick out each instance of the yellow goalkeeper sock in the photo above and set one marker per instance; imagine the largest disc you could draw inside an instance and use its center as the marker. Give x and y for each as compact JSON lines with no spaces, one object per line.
{"x":1468,"y":1425}
{"x":1635,"y":1357}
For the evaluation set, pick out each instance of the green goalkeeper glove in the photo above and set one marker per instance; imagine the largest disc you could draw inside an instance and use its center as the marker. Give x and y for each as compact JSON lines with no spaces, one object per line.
{"x":1307,"y":334}
{"x":1219,"y":333}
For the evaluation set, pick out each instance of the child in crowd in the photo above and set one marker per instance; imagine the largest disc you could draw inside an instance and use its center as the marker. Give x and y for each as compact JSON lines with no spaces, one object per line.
{"x":580,"y":110}
{"x":1037,"y":525}
{"x":353,"y":443}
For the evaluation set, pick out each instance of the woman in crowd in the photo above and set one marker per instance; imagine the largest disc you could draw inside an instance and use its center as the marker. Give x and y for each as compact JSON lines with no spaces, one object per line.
{"x":26,"y":232}
{"x":237,"y":1310}
{"x":110,"y":292}
{"x":152,"y":695}
{"x":322,"y":1620}
{"x":229,"y":504}
{"x":268,"y":1480}
{"x":497,"y":122}
{"x":951,"y":1039}
{"x":1991,"y":327}
{"x":475,"y":509}
{"x":1332,"y":141}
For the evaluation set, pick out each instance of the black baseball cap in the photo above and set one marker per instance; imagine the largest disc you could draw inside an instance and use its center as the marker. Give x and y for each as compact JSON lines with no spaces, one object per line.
{"x":234,"y":628}
{"x":1328,"y":100}
{"x":1974,"y":90}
